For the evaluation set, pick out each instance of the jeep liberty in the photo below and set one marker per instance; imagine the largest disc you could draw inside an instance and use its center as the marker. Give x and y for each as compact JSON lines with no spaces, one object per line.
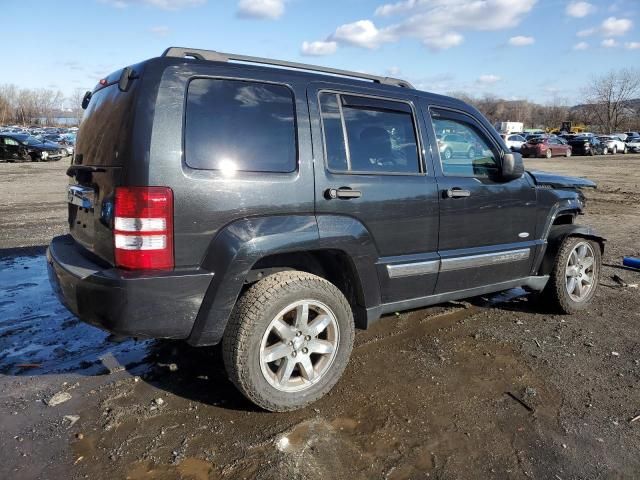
{"x":275,"y":207}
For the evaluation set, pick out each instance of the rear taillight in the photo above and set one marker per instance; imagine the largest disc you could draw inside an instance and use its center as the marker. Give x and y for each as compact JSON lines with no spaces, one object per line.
{"x":143,"y":228}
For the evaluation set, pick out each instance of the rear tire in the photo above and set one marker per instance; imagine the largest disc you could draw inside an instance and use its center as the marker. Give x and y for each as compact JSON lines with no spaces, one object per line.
{"x":614,"y":150}
{"x":448,"y":153}
{"x":561,"y":293}
{"x":271,"y":350}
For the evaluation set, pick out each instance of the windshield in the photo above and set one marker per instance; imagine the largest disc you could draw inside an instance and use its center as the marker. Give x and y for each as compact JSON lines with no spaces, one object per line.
{"x":537,"y":140}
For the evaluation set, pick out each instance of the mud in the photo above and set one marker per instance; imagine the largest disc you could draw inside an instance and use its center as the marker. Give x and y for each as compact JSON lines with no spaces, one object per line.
{"x":494,"y":387}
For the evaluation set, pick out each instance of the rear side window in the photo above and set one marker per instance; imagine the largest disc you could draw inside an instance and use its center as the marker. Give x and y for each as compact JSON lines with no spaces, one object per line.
{"x":238,"y":125}
{"x":368,"y":135}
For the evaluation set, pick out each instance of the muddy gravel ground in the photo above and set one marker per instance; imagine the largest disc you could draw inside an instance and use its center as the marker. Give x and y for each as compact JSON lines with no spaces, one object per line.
{"x":496,"y":387}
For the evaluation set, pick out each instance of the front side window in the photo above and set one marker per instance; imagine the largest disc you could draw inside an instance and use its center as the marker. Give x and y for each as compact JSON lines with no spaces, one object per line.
{"x":368,"y":135}
{"x":464,"y":149}
{"x":240,"y":125}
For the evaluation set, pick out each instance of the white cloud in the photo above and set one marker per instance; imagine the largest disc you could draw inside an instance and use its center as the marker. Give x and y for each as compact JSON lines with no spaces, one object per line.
{"x":581,"y":46}
{"x":579,"y":9}
{"x":609,"y":43}
{"x":615,"y":26}
{"x":438,"y":24}
{"x":632,"y":45}
{"x":393,"y":71}
{"x":162,"y":4}
{"x":587,"y":32}
{"x":521,"y":41}
{"x":488,"y":79}
{"x":362,"y":33}
{"x":267,"y":9}
{"x":317,"y":49}
{"x":160,"y":30}
{"x":610,"y":27}
{"x":395,"y":8}
{"x":442,"y":42}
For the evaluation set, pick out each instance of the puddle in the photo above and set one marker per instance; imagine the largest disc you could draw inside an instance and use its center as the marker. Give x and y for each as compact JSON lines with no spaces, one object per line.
{"x":38,"y":335}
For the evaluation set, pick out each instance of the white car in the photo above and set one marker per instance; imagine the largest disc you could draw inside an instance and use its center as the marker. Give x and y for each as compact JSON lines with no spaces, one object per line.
{"x":614,"y":144}
{"x":633,"y":144}
{"x":514,"y":142}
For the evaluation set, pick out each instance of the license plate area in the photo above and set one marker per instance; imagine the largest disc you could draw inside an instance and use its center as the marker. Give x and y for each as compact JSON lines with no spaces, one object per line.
{"x":83,"y":197}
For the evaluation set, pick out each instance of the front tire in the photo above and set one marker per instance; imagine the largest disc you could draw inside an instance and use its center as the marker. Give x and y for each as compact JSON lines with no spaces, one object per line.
{"x":288,"y":340}
{"x":549,"y":153}
{"x":575,"y":276}
{"x":615,"y":150}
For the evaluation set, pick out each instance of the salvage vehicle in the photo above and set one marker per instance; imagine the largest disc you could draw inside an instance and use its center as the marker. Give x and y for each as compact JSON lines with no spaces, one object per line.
{"x":274,"y":207}
{"x":633,"y":144}
{"x":514,"y":142}
{"x":12,"y":150}
{"x":545,"y":147}
{"x":588,"y":145}
{"x":40,"y":149}
{"x":613,"y":144}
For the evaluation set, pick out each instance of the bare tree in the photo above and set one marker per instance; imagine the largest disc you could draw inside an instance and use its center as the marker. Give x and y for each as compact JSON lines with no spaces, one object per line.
{"x":607,"y":98}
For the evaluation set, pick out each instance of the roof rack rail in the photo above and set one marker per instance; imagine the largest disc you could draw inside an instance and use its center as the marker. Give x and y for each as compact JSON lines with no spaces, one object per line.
{"x":212,"y":55}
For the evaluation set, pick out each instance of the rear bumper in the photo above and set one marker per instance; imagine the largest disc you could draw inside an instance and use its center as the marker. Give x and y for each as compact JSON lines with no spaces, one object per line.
{"x":139,"y":304}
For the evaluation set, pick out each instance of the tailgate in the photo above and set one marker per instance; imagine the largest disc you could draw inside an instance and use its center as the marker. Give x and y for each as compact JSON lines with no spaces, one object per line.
{"x":102,"y":157}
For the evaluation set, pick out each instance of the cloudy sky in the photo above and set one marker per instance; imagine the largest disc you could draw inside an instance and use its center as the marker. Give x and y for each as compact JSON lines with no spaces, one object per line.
{"x":534,"y":49}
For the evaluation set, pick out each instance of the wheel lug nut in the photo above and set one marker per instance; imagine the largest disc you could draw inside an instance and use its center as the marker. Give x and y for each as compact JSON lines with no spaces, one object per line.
{"x":298,"y":333}
{"x":294,"y":353}
{"x":305,"y":350}
{"x":290,"y":343}
{"x":307,"y":337}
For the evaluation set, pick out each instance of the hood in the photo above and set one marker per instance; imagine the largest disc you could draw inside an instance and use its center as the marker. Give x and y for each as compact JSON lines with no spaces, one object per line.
{"x":554,"y":180}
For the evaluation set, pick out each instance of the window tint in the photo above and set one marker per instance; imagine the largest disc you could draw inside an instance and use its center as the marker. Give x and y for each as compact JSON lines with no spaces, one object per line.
{"x":236,"y":125}
{"x":470,"y":155}
{"x":380,"y":135}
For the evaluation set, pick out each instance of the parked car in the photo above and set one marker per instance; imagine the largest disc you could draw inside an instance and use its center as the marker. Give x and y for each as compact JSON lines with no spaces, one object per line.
{"x":545,"y":147}
{"x":12,"y":150}
{"x":633,"y":144}
{"x":632,"y":134}
{"x":588,"y":145}
{"x":514,"y":142}
{"x":275,"y":211}
{"x":41,"y":150}
{"x":613,"y":144}
{"x":456,"y":145}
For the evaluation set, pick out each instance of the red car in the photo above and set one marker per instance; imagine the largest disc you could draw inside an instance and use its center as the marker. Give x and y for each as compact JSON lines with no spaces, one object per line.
{"x":545,"y":147}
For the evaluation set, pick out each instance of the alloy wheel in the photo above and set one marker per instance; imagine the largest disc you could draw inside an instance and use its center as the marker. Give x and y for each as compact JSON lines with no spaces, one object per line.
{"x":580,"y":272}
{"x":299,"y":346}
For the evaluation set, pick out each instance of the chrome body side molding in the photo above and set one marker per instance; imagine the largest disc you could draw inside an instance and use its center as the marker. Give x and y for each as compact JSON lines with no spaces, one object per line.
{"x":415,"y":268}
{"x":485,"y":259}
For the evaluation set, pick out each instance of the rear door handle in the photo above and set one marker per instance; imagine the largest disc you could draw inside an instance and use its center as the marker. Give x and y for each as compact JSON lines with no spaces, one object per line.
{"x":456,"y":192}
{"x":344,"y":193}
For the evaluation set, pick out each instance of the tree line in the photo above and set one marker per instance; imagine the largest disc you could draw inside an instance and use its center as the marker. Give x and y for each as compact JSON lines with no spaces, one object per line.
{"x":610,"y":103}
{"x":37,"y":106}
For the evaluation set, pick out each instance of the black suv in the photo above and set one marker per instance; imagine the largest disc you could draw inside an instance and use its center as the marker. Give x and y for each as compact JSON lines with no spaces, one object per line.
{"x":275,"y":206}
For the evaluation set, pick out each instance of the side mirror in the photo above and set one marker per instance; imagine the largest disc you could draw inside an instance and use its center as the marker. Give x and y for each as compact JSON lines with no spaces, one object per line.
{"x":512,"y":166}
{"x":86,"y":99}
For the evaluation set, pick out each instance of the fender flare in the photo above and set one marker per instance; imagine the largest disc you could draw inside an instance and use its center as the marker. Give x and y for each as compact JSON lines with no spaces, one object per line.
{"x":556,"y":236}
{"x":237,"y":247}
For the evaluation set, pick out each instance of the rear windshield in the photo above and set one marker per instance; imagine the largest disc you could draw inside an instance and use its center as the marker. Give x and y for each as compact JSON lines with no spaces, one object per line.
{"x":106,"y":127}
{"x":240,"y":125}
{"x":537,"y":140}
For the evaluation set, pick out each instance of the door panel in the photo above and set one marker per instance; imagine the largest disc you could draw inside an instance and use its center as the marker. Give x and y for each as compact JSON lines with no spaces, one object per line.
{"x":374,"y":151}
{"x":486,"y":225}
